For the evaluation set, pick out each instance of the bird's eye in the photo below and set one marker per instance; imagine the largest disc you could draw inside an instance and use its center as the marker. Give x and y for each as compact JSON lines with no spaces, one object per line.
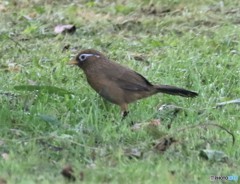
{"x":82,"y":57}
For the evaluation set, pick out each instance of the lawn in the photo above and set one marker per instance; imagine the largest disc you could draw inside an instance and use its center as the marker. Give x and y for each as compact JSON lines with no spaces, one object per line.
{"x":55,"y":129}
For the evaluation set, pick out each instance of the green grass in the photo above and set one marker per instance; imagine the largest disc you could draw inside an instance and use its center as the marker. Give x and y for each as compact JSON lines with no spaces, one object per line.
{"x":195,"y":46}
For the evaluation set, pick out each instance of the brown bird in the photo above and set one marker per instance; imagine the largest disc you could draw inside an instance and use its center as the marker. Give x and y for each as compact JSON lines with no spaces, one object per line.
{"x":118,"y":84}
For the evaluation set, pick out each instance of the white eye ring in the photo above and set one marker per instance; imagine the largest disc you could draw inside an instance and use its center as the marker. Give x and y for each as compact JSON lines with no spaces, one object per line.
{"x":83,"y":57}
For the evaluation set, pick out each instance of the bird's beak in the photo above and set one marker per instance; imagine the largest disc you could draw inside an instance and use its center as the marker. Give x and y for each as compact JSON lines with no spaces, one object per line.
{"x":73,"y":62}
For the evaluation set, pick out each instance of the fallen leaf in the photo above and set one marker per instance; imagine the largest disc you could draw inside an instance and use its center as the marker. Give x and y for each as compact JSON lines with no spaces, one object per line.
{"x":213,"y":155}
{"x":27,"y":17}
{"x":153,"y":129}
{"x":5,"y":156}
{"x":91,"y":165}
{"x":11,"y":67}
{"x":139,"y":57}
{"x":163,"y":144}
{"x":128,"y":24}
{"x":67,"y":173}
{"x":32,"y":82}
{"x":155,"y":122}
{"x":153,"y":10}
{"x":2,"y":8}
{"x":149,"y":125}
{"x":17,"y":132}
{"x":3,"y":181}
{"x":69,"y":28}
{"x":168,"y":107}
{"x":232,"y":11}
{"x":136,"y":126}
{"x":14,"y":68}
{"x":168,"y":111}
{"x":133,"y":153}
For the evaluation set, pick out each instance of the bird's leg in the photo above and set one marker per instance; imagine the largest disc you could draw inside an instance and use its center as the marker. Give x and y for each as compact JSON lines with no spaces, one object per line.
{"x":124,"y":114}
{"x":124,"y":110}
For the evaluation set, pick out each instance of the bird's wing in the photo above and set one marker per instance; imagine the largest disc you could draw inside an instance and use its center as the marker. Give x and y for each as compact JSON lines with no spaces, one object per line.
{"x":130,"y":80}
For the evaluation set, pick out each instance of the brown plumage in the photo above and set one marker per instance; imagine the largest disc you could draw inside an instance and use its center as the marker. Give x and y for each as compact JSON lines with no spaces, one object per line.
{"x":118,"y":84}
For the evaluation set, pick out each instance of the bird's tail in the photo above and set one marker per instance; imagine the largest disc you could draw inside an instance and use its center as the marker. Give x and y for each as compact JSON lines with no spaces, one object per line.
{"x":172,"y":90}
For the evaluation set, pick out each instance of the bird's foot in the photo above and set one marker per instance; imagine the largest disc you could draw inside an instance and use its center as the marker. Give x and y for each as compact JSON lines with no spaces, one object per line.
{"x":124,"y":114}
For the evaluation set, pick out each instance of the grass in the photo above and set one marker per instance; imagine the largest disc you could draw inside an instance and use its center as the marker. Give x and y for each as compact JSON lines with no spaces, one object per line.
{"x":194,"y":45}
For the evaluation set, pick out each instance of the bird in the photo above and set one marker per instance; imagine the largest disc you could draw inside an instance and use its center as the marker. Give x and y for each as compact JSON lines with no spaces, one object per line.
{"x":118,"y":84}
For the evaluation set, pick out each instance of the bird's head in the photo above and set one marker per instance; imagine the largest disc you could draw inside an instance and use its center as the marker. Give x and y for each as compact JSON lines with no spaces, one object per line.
{"x":86,"y":57}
